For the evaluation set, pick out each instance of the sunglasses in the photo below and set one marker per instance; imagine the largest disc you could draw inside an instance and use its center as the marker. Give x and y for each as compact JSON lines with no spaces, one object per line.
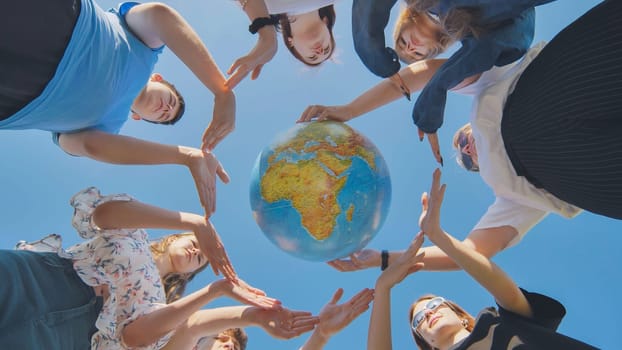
{"x":432,"y":305}
{"x":466,"y":160}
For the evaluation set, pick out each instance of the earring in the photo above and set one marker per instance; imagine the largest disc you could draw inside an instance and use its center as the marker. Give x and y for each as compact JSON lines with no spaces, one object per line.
{"x":465,"y":323}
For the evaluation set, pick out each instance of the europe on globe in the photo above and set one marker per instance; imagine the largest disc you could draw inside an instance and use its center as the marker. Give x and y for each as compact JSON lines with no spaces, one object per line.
{"x":320,"y":191}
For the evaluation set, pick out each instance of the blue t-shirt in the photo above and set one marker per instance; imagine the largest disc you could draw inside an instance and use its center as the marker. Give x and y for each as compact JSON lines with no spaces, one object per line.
{"x":102,"y":71}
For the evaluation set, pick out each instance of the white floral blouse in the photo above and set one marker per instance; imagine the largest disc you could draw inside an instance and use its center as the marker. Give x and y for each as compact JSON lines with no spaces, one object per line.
{"x":120,"y":259}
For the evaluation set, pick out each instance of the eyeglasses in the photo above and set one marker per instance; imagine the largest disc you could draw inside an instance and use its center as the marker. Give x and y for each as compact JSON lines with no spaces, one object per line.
{"x":432,"y":305}
{"x":465,"y":159}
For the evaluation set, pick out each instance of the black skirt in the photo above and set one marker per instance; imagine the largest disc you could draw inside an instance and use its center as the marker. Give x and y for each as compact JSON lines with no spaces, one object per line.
{"x":33,"y":38}
{"x":562,"y":125}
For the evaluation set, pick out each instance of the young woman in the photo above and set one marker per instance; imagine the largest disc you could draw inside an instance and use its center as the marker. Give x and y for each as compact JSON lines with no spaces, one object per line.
{"x":109,"y":291}
{"x":544,"y":137}
{"x":491,"y":34}
{"x":523,"y":319}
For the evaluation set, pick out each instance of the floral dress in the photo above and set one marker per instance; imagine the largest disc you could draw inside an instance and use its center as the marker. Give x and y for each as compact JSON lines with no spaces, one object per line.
{"x":120,"y":259}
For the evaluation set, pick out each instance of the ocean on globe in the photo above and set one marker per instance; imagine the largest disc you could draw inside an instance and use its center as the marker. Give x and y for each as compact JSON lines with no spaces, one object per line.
{"x":320,"y":191}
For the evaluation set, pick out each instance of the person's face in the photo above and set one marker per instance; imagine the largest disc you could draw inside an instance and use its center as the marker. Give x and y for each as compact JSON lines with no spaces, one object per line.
{"x":437,"y":320}
{"x":157,"y":102}
{"x":225,"y":342}
{"x":417,"y":40}
{"x":313,"y":44}
{"x":185,"y":254}
{"x":468,"y":152}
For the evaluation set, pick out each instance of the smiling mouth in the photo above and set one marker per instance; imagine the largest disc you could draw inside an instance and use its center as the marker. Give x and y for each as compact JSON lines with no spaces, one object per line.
{"x":434,"y":320}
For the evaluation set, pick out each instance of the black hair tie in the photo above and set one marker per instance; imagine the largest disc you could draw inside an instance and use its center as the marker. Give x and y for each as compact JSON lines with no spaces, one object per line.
{"x":261,"y":22}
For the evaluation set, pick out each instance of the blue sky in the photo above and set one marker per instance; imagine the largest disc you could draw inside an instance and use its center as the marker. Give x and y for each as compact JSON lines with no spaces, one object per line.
{"x":574,"y":261}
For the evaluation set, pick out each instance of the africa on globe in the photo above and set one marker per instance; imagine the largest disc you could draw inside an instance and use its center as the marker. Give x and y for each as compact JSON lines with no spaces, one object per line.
{"x":320,"y":191}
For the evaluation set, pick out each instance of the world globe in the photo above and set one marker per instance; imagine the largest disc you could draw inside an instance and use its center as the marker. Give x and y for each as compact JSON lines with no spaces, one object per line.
{"x":320,"y":191}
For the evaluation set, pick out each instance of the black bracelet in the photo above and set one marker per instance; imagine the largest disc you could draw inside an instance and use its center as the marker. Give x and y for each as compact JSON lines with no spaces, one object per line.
{"x":261,"y":22}
{"x":384,"y":260}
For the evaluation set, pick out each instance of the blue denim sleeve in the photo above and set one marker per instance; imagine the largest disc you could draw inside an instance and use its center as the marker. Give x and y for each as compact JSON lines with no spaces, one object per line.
{"x":493,"y":10}
{"x":499,"y":47}
{"x":369,"y":19}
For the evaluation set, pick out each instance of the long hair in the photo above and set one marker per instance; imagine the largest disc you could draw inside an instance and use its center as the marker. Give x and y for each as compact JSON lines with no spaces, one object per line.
{"x":458,"y":22}
{"x":174,"y":283}
{"x":409,"y":16}
{"x":463,"y":314}
{"x":284,"y":26}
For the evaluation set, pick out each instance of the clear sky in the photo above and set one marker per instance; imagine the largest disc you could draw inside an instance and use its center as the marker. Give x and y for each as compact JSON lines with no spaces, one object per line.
{"x":574,"y":261}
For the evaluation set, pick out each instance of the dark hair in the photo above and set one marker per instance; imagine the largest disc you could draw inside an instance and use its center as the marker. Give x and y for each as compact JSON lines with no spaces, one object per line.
{"x":180,"y":101}
{"x":239,"y":335}
{"x":327,"y":12}
{"x":174,"y":283}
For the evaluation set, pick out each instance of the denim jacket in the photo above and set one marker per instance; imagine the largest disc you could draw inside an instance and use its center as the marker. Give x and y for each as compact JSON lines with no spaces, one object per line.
{"x":514,"y":23}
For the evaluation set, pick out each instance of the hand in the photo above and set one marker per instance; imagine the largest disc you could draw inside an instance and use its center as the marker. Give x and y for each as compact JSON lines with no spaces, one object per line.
{"x":403,"y":265}
{"x":433,"y":139}
{"x":363,"y":259}
{"x":334,"y":317}
{"x":285,"y":323}
{"x":214,"y":250}
{"x":321,"y":113}
{"x":261,"y":54}
{"x":430,"y":219}
{"x":204,"y":166}
{"x":223,"y":121}
{"x":244,"y":293}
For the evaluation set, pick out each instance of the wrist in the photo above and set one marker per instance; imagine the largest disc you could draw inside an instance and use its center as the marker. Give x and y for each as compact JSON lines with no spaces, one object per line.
{"x":384,"y":259}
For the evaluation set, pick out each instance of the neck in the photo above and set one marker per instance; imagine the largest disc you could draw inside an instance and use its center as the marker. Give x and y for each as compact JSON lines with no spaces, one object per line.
{"x":453,"y":339}
{"x":301,"y":23}
{"x":164,"y":264}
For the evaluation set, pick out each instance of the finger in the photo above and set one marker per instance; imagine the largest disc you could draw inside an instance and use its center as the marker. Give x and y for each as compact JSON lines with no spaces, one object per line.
{"x":424,"y":200}
{"x":355,"y":260}
{"x":222,"y":174}
{"x":236,"y":78}
{"x":256,"y":72}
{"x":308,"y":114}
{"x":416,"y":267}
{"x":420,"y":133}
{"x":338,"y":294}
{"x":436,"y":150}
{"x":415,"y":244}
{"x":235,"y":65}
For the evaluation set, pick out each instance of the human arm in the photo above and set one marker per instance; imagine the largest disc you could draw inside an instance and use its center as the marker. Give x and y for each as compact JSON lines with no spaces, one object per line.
{"x":119,"y":149}
{"x":261,"y":53}
{"x":415,"y":76}
{"x":158,"y":24}
{"x":150,"y":327}
{"x":487,"y":241}
{"x":134,"y":214}
{"x":334,"y":317}
{"x":379,"y":333}
{"x":484,"y":271}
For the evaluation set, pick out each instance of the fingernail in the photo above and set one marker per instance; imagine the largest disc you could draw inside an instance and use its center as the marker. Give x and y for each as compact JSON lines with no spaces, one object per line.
{"x":420,"y":138}
{"x":441,"y":161}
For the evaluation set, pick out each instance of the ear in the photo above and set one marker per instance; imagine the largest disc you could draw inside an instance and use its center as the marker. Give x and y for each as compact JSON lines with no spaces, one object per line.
{"x":156,"y":77}
{"x":135,"y":116}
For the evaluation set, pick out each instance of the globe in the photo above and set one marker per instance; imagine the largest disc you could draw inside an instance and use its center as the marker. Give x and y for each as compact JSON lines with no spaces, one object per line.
{"x":320,"y":191}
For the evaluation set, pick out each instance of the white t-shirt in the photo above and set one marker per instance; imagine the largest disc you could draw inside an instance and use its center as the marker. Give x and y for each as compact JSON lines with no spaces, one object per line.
{"x":296,"y":7}
{"x":518,"y":204}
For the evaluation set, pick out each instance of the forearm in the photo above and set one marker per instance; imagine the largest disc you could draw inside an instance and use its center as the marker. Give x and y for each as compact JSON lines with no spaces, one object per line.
{"x":135,"y":214}
{"x":148,"y":328}
{"x":209,"y":322}
{"x":480,"y":267}
{"x":119,"y":149}
{"x":172,"y":29}
{"x":415,"y":77}
{"x":379,"y":333}
{"x":316,"y":341}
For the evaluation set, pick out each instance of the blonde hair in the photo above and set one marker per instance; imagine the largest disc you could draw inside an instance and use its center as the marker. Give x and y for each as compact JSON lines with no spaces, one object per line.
{"x":174,"y":283}
{"x":456,"y":24}
{"x":460,"y":312}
